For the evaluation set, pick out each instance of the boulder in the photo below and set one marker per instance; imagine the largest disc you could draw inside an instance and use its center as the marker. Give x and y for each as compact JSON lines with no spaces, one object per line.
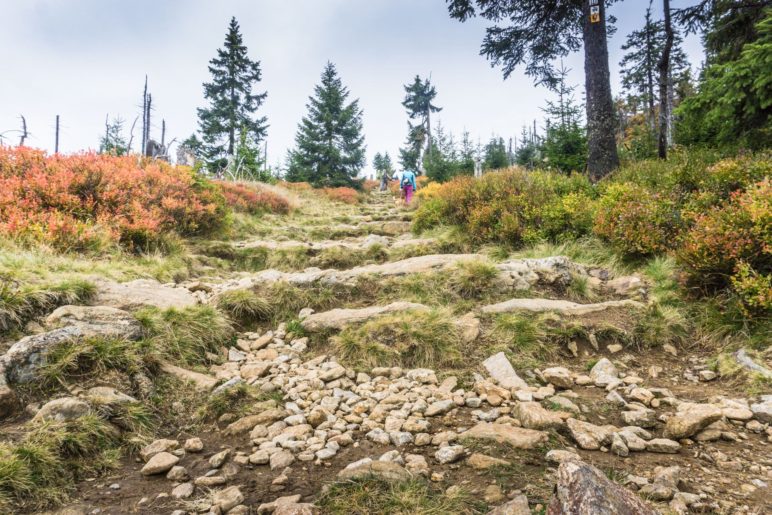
{"x":385,"y":470}
{"x":583,"y":489}
{"x":517,"y":506}
{"x":589,"y":436}
{"x":517,"y":437}
{"x":604,"y":373}
{"x":107,"y":396}
{"x":559,"y":377}
{"x":159,"y":464}
{"x":337,"y":319}
{"x":663,"y":445}
{"x":690,"y":419}
{"x":762,"y":410}
{"x":449,"y":454}
{"x":142,"y":292}
{"x":228,"y":498}
{"x":500,"y":369}
{"x":533,"y":416}
{"x":157,"y":447}
{"x":62,"y":410}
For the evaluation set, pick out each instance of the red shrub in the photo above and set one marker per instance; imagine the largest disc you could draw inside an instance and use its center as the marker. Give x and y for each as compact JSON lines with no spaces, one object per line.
{"x":345,"y":195}
{"x":85,"y":200}
{"x":371,"y":185}
{"x":252,"y":199}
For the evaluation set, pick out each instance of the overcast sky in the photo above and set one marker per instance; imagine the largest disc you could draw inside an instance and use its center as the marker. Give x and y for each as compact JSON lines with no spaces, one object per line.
{"x":84,"y":59}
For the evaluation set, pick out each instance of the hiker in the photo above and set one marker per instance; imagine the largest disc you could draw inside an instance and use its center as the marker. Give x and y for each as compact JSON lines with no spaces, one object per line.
{"x":407,"y":184}
{"x":385,"y":180}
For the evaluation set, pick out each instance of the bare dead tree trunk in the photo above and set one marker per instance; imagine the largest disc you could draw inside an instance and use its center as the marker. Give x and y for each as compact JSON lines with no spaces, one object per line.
{"x":24,"y":132}
{"x":147,"y":126}
{"x":664,"y":73}
{"x":56,"y":142}
{"x":144,"y":117}
{"x":106,"y":145}
{"x":131,"y":135}
{"x":602,"y":157}
{"x":163,"y":132}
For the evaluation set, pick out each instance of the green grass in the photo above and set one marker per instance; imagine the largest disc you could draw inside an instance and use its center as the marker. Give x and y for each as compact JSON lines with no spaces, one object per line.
{"x":41,"y":469}
{"x":185,"y":336}
{"x":579,"y":289}
{"x":244,"y":305}
{"x":412,"y":339}
{"x":413,"y":497}
{"x":18,"y":304}
{"x":82,"y":360}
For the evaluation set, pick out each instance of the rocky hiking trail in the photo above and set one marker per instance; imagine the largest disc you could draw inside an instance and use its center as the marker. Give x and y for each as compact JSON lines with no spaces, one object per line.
{"x":317,"y":407}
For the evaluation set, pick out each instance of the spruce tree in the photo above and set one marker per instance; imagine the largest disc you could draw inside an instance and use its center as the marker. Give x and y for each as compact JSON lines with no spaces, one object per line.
{"x":419,"y":96}
{"x":113,"y":141}
{"x":496,"y":155}
{"x":467,"y":155}
{"x":565,"y":141}
{"x":382,"y":164}
{"x":329,"y":145}
{"x":232,"y":104}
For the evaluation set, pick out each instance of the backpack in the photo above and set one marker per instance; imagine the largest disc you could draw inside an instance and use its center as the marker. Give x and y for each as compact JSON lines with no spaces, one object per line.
{"x":405,"y":180}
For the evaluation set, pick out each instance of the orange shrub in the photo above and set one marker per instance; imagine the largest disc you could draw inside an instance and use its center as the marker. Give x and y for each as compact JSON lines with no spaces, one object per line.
{"x":342,"y":194}
{"x":85,"y":200}
{"x":247,"y":198}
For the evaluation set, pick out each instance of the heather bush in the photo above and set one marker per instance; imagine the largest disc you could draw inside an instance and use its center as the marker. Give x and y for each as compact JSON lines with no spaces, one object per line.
{"x":732,"y":244}
{"x":342,"y":194}
{"x":253,"y":199}
{"x":86,"y":201}
{"x":636,"y":220}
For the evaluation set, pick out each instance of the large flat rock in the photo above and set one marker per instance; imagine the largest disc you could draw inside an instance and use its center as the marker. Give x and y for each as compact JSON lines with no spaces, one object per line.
{"x":559,"y":306}
{"x":339,"y":318}
{"x":141,"y":293}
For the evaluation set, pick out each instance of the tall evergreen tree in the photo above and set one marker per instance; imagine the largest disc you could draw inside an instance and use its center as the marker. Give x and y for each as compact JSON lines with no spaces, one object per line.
{"x":565,"y":141}
{"x":329,"y":145}
{"x":535,"y":33}
{"x":466,"y":155}
{"x":527,"y":152}
{"x":232,"y":104}
{"x":382,"y":164}
{"x":419,"y":96}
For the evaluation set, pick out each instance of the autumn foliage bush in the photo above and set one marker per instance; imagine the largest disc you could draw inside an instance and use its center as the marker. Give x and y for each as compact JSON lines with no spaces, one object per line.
{"x":342,"y":194}
{"x":513,"y":207}
{"x":86,"y":201}
{"x":731,"y":244}
{"x":252,"y":198}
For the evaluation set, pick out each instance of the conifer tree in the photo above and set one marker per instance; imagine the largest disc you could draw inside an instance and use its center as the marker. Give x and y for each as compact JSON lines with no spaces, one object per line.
{"x":466,"y":155}
{"x":495,"y":154}
{"x":329,"y":145}
{"x":565,"y":142}
{"x":382,"y":164}
{"x":419,"y":96}
{"x":232,"y":103}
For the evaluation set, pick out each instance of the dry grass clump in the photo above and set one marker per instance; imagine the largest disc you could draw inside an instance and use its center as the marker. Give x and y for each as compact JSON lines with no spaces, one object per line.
{"x":413,"y":339}
{"x":244,"y":305}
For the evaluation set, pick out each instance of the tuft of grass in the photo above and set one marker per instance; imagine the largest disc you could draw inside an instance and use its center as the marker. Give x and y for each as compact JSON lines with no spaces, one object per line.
{"x":42,"y":468}
{"x":412,"y":339}
{"x":185,"y":336}
{"x":472,"y":279}
{"x":244,"y":305}
{"x":522,"y":338}
{"x":239,"y":400}
{"x":413,"y":497}
{"x":19,"y":305}
{"x":92,"y":357}
{"x":580,"y":289}
{"x":660,"y":325}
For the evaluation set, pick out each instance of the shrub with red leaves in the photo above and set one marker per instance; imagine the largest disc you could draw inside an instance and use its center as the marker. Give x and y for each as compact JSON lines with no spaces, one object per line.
{"x":84,"y":201}
{"x":343,"y":194}
{"x":248,"y":198}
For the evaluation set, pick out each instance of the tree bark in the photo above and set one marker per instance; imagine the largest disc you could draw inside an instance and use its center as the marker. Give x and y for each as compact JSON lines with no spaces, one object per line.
{"x":664,"y":75}
{"x":601,"y":122}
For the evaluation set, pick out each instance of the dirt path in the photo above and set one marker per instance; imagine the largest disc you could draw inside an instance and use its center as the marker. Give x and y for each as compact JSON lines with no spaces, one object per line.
{"x":445,"y":424}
